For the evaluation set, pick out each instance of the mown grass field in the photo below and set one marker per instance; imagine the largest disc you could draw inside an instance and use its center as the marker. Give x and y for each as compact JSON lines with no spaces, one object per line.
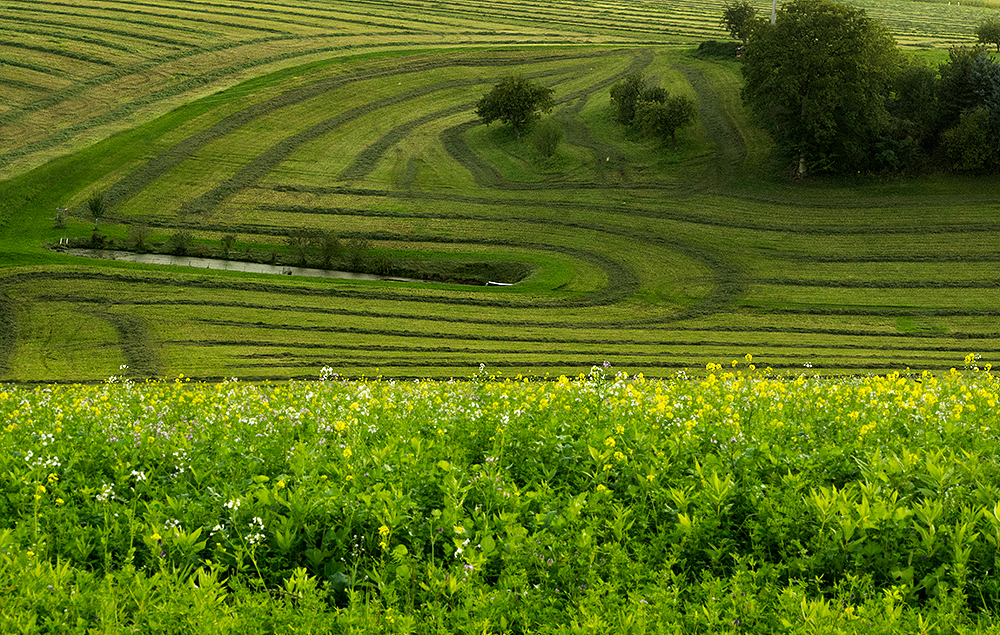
{"x":260,"y":119}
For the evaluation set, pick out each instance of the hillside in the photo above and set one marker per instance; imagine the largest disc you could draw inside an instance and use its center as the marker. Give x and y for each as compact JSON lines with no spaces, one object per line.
{"x":264,"y":123}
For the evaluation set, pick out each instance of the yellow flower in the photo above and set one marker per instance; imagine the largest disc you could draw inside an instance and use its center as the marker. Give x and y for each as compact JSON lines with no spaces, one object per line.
{"x":155,"y":536}
{"x":347,"y":453}
{"x":59,"y":501}
{"x":459,"y":529}
{"x":383,"y":531}
{"x":610,"y":442}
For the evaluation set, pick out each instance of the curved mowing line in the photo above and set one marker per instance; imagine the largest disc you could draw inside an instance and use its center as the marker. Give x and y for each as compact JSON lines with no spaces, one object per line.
{"x":746,"y":221}
{"x":73,"y":55}
{"x":516,"y":15}
{"x":271,"y":158}
{"x":368,"y":158}
{"x":161,"y":16}
{"x":623,"y":282}
{"x":132,"y":35}
{"x":601,"y":348}
{"x":76,"y":15}
{"x":31,"y":67}
{"x":333,"y":15}
{"x":125,"y":109}
{"x":76,"y":38}
{"x":159,"y":165}
{"x":882,"y":284}
{"x":262,"y":164}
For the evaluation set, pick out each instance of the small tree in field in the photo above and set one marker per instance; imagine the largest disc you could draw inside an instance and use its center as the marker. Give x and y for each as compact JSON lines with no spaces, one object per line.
{"x":516,"y":101}
{"x":989,"y":32}
{"x":98,"y":206}
{"x":661,"y":120}
{"x":739,"y":18}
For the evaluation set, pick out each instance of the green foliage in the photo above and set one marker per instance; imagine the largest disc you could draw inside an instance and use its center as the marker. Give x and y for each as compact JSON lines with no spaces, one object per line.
{"x":971,"y":145}
{"x":546,"y":137}
{"x":660,"y":120}
{"x":818,"y":80}
{"x":181,"y":243}
{"x":138,"y":236}
{"x":740,"y":19}
{"x":516,"y":101}
{"x":714,"y":49}
{"x":98,"y":206}
{"x":735,"y":501}
{"x":988,"y":31}
{"x":627,"y":94}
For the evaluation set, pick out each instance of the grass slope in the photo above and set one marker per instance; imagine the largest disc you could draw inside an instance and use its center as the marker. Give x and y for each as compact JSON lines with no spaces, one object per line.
{"x":362,"y":126}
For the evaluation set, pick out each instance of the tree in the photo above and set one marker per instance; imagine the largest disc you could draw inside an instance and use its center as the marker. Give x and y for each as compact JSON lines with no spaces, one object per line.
{"x":516,"y":101}
{"x":98,"y":206}
{"x":989,"y":31}
{"x":627,"y":93}
{"x":662,"y":119}
{"x":740,"y":18}
{"x":818,"y":79}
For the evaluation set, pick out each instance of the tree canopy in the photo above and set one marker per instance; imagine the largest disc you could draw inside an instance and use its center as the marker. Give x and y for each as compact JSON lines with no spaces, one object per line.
{"x":989,"y":31}
{"x":627,"y":94}
{"x":516,"y":101}
{"x":662,"y":119}
{"x":650,"y":108}
{"x":740,"y":18}
{"x":819,"y":80}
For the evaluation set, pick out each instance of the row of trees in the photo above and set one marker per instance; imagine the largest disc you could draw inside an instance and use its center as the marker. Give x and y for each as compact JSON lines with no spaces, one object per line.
{"x":838,"y":95}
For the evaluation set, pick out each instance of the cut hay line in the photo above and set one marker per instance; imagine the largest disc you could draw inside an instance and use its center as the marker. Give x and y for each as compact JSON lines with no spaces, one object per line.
{"x":58,"y":28}
{"x":38,"y":68}
{"x":331,"y":14}
{"x":119,"y":9}
{"x":55,"y":52}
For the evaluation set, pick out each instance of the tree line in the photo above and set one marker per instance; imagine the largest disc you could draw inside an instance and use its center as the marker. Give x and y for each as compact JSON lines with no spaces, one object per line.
{"x":838,"y":95}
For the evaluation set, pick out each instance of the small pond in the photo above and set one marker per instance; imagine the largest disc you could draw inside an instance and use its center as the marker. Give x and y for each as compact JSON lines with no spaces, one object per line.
{"x":225,"y":265}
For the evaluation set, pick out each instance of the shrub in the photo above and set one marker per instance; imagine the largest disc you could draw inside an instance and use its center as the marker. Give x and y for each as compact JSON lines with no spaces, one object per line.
{"x":546,"y":137}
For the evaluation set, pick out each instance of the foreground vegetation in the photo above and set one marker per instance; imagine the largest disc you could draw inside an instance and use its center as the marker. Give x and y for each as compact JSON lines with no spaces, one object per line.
{"x":742,"y":502}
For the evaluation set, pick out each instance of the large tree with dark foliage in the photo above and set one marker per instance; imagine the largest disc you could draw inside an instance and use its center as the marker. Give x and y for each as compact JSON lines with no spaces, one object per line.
{"x":819,"y":80}
{"x":516,"y":101}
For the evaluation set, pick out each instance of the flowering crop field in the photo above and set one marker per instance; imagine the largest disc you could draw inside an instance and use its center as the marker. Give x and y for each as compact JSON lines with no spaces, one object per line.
{"x":740,"y":501}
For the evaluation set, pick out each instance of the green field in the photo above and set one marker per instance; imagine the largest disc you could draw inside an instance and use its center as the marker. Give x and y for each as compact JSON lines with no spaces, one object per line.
{"x":254,"y":119}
